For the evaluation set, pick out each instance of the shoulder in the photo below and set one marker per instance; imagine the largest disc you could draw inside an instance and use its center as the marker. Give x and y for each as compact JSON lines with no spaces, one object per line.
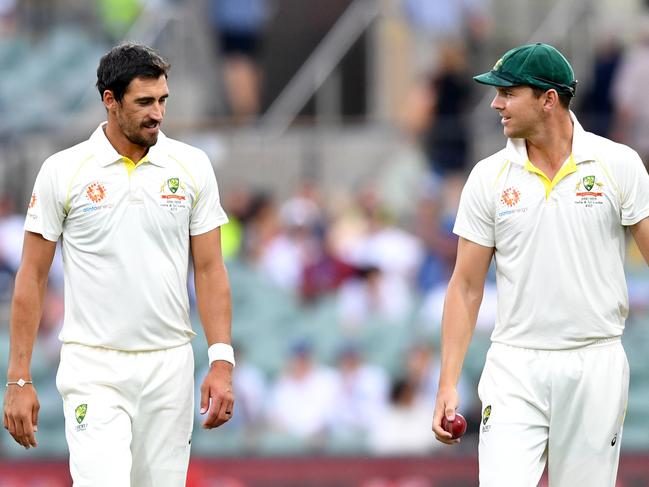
{"x":490,"y":168}
{"x":184,"y":154}
{"x":66,"y":161}
{"x":610,"y":152}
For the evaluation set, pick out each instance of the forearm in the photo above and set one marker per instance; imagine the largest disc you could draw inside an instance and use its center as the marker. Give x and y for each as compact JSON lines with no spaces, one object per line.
{"x":458,"y":323}
{"x":214,"y":303}
{"x":26,"y":310}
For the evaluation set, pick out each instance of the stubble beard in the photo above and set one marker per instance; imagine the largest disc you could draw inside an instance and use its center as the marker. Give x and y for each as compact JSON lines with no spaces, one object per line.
{"x":145,"y":142}
{"x":131,"y":133}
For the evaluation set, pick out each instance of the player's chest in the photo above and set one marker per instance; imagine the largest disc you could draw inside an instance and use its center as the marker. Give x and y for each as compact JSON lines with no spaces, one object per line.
{"x":584,"y":200}
{"x":150,"y":197}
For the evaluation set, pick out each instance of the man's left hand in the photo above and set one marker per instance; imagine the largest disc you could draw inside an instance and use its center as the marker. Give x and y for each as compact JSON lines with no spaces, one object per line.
{"x":217,"y":398}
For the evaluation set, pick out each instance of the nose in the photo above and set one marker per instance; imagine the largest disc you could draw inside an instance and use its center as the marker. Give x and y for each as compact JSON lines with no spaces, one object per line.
{"x":158,"y":112}
{"x":497,"y":102}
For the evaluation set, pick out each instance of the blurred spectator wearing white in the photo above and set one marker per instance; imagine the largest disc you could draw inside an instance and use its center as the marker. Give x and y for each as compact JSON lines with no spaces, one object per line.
{"x":630,"y":95}
{"x":302,"y":400}
{"x":285,"y":256}
{"x":422,"y":371}
{"x":387,"y":258}
{"x":362,"y":392}
{"x":404,"y":426}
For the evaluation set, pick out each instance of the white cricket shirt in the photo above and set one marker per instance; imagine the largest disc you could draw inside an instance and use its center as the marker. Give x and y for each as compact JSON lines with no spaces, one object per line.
{"x":560,"y":245}
{"x":125,"y":238}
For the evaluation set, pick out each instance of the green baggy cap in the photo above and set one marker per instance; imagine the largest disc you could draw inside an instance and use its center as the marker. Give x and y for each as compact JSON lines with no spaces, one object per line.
{"x":539,"y":65}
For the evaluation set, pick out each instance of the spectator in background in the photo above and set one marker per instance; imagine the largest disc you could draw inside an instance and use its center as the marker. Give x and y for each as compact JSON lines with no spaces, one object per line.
{"x":405,"y":173}
{"x":433,"y":225}
{"x":387,"y":258}
{"x":597,"y":106}
{"x":302,"y":400}
{"x":361,"y":393}
{"x":8,"y":17}
{"x":422,"y":368}
{"x":295,"y":246}
{"x":117,"y":16}
{"x":447,"y":139}
{"x":401,"y":428}
{"x":437,"y":22}
{"x":239,"y":28}
{"x":630,"y":95}
{"x":250,"y":386}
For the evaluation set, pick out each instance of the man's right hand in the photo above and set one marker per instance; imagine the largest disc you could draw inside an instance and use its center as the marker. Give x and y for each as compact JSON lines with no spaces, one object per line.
{"x":445,"y":405}
{"x":21,"y":414}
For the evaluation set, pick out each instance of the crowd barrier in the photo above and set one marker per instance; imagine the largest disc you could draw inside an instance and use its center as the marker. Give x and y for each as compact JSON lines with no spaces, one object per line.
{"x":439,"y":471}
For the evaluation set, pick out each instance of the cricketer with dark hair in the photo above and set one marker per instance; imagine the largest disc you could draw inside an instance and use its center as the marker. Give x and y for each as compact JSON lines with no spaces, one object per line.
{"x":127,"y":205}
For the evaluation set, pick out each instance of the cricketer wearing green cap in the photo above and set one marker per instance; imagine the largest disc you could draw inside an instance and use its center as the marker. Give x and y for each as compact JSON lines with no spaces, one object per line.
{"x":538,"y":65}
{"x":552,"y":210}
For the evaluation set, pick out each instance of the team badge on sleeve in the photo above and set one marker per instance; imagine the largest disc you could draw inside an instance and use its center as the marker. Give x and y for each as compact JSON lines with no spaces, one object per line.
{"x":80,"y":412}
{"x":486,"y":414}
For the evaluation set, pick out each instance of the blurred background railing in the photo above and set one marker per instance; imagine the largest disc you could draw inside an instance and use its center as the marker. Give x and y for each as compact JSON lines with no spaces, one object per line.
{"x":341,"y":133}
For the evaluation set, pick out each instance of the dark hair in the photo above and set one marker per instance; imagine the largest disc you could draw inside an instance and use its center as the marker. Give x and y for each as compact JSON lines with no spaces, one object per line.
{"x":564,"y":99}
{"x":123,"y":63}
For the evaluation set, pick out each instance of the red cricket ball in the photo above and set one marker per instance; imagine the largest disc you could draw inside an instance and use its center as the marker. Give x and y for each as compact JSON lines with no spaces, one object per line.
{"x":457,"y":427}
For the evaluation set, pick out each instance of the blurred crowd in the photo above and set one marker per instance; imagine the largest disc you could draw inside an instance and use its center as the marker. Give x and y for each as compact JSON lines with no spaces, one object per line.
{"x":380,"y":255}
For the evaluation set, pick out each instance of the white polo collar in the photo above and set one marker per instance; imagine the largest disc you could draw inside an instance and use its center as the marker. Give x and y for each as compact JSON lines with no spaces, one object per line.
{"x":107,"y":155}
{"x":582,"y":150}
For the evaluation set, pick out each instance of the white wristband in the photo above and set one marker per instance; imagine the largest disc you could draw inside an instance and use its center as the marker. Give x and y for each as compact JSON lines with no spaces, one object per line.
{"x":221,"y":351}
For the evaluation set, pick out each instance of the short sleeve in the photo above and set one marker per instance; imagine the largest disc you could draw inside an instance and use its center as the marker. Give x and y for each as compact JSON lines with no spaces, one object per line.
{"x":207,"y":213}
{"x":634,"y":190}
{"x":475,"y":216}
{"x":46,"y":210}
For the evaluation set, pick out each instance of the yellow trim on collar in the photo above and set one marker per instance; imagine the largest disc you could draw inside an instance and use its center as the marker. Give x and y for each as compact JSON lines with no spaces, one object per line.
{"x":131,"y":166}
{"x":566,"y":169}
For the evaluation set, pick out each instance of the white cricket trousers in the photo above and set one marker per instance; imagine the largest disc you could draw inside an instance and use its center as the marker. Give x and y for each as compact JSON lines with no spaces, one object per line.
{"x":565,"y":407}
{"x":128,"y":415}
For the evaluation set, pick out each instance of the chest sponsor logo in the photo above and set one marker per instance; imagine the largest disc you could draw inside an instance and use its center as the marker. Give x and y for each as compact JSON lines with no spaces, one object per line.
{"x":173,"y":194}
{"x":96,"y":193}
{"x":510,"y":197}
{"x":589,"y":191}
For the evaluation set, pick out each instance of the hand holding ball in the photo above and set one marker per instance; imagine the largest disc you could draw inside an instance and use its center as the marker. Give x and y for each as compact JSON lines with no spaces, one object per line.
{"x":457,"y":427}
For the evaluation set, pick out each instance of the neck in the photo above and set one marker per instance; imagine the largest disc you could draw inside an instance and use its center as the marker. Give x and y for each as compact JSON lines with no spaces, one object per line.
{"x":122,"y":145}
{"x":552,"y":144}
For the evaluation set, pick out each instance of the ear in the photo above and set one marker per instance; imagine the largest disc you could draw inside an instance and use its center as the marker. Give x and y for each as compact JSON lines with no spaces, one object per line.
{"x":109,"y":99}
{"x":550,"y":99}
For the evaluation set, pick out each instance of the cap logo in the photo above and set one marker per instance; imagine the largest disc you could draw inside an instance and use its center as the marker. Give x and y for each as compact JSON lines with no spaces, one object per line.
{"x":498,"y":64}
